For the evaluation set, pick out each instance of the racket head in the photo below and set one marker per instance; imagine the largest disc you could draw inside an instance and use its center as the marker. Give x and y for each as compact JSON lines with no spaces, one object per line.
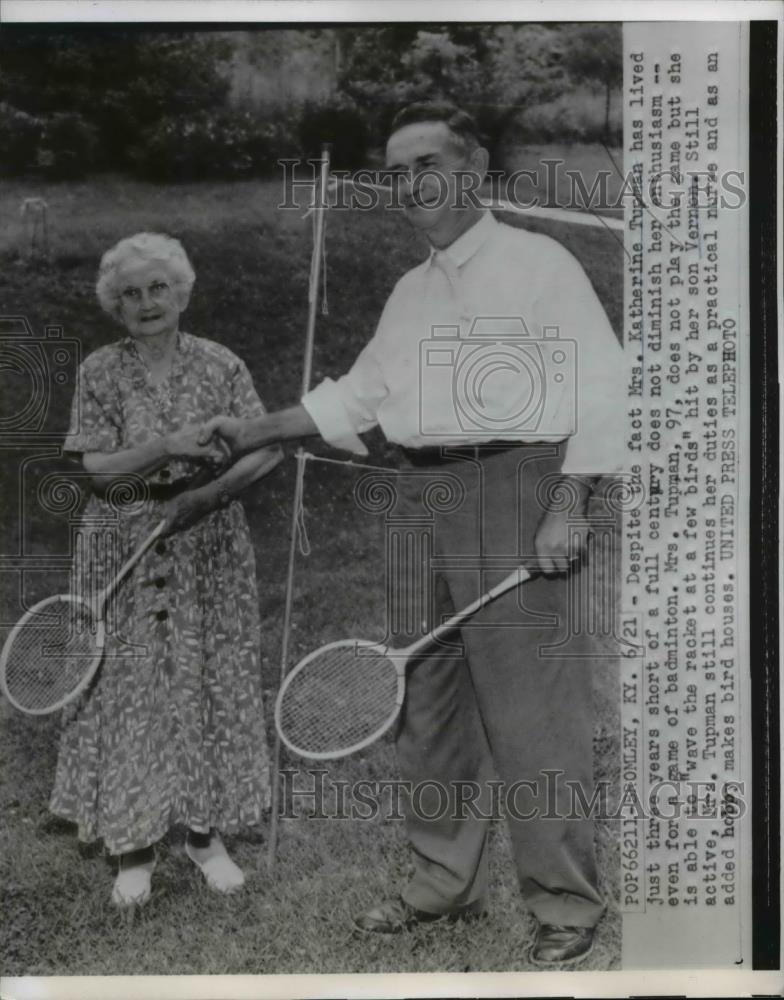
{"x":339,"y":699}
{"x":51,"y":654}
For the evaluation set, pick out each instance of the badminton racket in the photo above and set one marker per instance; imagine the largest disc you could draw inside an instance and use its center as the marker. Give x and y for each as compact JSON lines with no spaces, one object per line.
{"x":345,"y":695}
{"x":54,"y":650}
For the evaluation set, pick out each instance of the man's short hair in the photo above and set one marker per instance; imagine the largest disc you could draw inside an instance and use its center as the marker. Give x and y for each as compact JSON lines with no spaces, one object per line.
{"x":459,"y":122}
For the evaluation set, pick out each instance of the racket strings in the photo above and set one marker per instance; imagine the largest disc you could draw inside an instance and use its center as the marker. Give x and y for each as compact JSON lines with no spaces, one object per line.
{"x":338,"y":699}
{"x":45,"y":662}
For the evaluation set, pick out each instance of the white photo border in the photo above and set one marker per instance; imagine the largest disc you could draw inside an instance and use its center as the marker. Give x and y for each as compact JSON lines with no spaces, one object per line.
{"x":691,"y":982}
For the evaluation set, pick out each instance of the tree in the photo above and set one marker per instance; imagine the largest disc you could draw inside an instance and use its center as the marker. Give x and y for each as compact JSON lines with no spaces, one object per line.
{"x":523,"y":67}
{"x":275,"y":68}
{"x":120,"y":81}
{"x":493,"y":71}
{"x":593,"y":55}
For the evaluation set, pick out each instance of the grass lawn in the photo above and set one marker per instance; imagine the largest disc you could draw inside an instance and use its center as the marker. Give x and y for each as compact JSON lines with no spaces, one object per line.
{"x":252,"y":265}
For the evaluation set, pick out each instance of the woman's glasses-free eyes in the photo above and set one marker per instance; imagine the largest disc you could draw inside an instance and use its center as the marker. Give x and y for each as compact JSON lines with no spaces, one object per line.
{"x":157,"y":291}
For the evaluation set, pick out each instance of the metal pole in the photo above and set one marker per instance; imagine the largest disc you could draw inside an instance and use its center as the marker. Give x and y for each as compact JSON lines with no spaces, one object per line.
{"x":313,"y":290}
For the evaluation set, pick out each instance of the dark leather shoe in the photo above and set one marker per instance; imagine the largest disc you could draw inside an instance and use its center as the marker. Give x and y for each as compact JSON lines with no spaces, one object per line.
{"x":396,"y":915}
{"x":555,"y":944}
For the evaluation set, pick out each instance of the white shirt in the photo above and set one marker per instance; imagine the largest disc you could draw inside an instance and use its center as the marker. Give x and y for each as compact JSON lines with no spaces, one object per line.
{"x":499,"y":337}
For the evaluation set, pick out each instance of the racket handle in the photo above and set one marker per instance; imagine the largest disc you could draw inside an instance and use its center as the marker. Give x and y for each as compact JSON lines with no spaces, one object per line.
{"x":127,"y":566}
{"x":519,"y":575}
{"x":516,"y":577}
{"x":204,"y":476}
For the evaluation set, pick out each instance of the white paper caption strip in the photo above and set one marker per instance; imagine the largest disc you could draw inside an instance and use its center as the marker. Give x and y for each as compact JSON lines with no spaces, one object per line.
{"x":685,"y":714}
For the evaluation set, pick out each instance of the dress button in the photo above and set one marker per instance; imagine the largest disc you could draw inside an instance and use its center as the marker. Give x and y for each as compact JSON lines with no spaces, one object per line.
{"x":165,"y":474}
{"x":160,"y":582}
{"x":160,"y":548}
{"x":162,"y":616}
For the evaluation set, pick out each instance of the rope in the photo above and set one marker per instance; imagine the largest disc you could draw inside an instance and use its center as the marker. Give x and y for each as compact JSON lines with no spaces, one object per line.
{"x":300,"y":527}
{"x":300,"y":511}
{"x":309,"y":456}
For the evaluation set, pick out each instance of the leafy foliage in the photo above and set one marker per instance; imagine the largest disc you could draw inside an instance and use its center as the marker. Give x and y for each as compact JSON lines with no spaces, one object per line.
{"x":340,"y":123}
{"x":68,"y":145}
{"x":592,"y":57}
{"x":168,"y":104}
{"x":119,"y":82}
{"x":211,"y":144}
{"x":498,"y":72}
{"x":20,"y":134}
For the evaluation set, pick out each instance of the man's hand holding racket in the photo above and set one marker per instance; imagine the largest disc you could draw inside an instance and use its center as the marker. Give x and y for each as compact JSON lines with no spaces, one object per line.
{"x":557,"y":546}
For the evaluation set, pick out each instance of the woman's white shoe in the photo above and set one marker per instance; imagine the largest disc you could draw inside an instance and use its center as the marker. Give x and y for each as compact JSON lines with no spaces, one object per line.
{"x":132,"y":887}
{"x":219,"y":870}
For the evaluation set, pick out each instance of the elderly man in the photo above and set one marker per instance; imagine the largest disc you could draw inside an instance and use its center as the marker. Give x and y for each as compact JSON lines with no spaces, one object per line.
{"x":541,"y":419}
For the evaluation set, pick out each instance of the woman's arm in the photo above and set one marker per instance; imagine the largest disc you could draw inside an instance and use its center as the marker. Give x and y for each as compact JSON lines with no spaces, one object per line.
{"x":191,"y":506}
{"x":147,"y":458}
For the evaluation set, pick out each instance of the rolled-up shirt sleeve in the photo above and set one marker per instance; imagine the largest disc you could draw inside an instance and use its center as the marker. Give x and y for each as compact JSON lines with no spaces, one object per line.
{"x":343,"y":409}
{"x":568,"y":301}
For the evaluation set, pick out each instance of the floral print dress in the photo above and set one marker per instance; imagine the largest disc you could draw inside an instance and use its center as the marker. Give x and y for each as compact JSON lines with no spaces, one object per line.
{"x":171,"y":730}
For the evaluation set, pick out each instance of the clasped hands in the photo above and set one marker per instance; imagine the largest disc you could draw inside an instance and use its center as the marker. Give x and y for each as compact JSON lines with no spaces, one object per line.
{"x":191,"y":442}
{"x":229,"y":434}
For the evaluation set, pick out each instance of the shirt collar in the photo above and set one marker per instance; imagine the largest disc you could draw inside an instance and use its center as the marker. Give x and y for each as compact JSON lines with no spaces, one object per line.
{"x":466,"y":245}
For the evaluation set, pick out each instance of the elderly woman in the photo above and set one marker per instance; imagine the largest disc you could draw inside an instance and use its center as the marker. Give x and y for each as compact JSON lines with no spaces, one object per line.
{"x":172,"y":730}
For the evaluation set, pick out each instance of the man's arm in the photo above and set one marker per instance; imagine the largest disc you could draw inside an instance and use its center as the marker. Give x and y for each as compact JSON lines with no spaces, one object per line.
{"x":568,"y":301}
{"x":242,"y":436}
{"x":338,"y":410}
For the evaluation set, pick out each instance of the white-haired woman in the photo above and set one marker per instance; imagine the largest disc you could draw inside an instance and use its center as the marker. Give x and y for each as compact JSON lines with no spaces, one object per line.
{"x":172,"y":731}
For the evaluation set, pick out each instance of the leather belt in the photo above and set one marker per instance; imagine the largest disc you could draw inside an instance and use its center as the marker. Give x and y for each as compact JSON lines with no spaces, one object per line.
{"x":446,"y":454}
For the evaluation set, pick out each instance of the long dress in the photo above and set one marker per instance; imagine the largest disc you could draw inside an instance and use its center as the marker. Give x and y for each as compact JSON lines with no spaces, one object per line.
{"x":172,"y":729}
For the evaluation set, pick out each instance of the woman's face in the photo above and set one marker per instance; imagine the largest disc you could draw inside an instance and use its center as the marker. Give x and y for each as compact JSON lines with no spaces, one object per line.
{"x":150,"y":303}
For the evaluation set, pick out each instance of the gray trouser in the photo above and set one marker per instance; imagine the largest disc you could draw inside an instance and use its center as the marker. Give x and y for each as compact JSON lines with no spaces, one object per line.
{"x":493,"y":704}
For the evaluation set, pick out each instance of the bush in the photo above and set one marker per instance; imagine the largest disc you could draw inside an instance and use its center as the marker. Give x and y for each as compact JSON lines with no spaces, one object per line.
{"x":223,"y":144}
{"x":339,"y":123}
{"x":67,"y":148}
{"x":575,"y":117}
{"x":20,"y":135}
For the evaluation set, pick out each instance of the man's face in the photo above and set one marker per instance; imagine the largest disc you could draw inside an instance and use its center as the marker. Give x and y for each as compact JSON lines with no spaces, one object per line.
{"x":427,"y":156}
